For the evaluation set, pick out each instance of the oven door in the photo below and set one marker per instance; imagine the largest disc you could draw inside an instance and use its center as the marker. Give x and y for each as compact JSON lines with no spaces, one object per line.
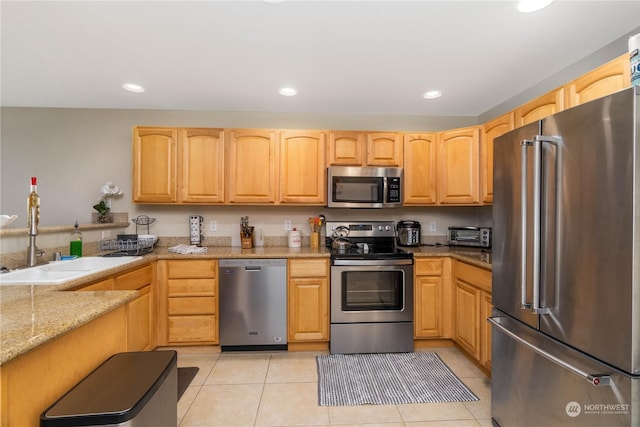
{"x":371,"y":291}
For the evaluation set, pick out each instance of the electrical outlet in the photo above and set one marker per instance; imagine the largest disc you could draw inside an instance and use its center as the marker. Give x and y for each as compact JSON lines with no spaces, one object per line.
{"x":432,"y":226}
{"x":287,"y":224}
{"x":213,"y":226}
{"x":106,"y":234}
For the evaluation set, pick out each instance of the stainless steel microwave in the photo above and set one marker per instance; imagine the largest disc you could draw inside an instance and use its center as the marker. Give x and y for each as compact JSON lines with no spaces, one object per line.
{"x":470,"y":236}
{"x":364,"y":187}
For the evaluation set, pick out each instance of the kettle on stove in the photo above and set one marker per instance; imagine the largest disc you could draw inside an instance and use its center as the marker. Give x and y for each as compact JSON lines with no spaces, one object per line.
{"x":408,"y":233}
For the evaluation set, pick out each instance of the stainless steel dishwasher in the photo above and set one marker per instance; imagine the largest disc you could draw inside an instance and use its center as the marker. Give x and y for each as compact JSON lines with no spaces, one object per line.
{"x":253,"y":304}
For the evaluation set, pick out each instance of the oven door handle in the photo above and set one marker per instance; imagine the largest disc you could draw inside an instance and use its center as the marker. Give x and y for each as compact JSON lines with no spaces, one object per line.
{"x":374,"y":262}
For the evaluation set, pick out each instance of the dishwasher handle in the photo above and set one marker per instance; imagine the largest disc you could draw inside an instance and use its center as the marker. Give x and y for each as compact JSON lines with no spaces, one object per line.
{"x":253,"y":268}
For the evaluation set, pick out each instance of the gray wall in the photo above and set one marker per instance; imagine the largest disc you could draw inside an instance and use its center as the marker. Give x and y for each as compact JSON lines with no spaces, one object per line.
{"x":73,"y":152}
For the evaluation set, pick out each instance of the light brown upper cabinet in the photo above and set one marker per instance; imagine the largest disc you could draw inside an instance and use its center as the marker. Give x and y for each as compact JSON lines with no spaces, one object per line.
{"x":604,"y":80}
{"x":490,"y":131}
{"x":420,"y":154}
{"x":201,"y":165}
{"x":384,"y":149}
{"x":302,"y":167}
{"x":348,"y":148}
{"x":541,"y":107}
{"x":172,"y":165}
{"x":252,"y":166}
{"x":458,"y":166}
{"x":154,"y":165}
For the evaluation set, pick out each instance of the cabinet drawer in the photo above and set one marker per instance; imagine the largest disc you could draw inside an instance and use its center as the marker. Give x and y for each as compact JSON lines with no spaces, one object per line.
{"x":135,"y":279}
{"x":191,"y":269}
{"x":428,"y":267}
{"x":308,"y":267}
{"x":192,"y":329}
{"x":191,"y":287}
{"x":476,"y":276}
{"x":192,"y":305}
{"x":103,"y":285}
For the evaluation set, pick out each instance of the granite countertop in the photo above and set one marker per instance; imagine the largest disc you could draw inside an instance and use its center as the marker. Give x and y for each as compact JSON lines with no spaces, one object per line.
{"x":34,"y":315}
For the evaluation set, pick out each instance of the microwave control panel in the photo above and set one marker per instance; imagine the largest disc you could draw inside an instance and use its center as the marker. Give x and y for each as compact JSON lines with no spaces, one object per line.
{"x":394,"y":190}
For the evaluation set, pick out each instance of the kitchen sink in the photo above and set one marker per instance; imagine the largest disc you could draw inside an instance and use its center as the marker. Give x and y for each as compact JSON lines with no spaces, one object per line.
{"x":59,"y":272}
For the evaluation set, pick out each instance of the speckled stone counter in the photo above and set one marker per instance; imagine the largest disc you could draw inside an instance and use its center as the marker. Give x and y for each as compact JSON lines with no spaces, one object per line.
{"x":478,"y":257}
{"x":33,"y":315}
{"x":219,"y":252}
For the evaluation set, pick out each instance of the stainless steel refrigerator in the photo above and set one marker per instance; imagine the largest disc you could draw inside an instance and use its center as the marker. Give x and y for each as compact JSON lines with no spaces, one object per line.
{"x":566,"y":268}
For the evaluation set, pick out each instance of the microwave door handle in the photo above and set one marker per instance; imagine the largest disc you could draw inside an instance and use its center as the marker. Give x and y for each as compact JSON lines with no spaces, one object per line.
{"x":524,"y":208}
{"x":385,"y":190}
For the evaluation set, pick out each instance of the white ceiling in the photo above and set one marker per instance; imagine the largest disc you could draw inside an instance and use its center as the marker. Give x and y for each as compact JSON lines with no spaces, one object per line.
{"x":362,"y":57}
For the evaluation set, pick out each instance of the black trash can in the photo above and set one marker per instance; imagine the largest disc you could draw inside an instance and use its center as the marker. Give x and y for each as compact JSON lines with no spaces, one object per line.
{"x":132,"y":389}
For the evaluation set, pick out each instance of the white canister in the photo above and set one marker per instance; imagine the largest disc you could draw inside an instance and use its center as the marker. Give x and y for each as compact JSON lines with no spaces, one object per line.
{"x":295,"y":241}
{"x":634,"y":58}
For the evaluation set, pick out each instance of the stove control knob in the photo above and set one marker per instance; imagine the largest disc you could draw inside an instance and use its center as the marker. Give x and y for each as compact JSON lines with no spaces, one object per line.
{"x":387,"y":228}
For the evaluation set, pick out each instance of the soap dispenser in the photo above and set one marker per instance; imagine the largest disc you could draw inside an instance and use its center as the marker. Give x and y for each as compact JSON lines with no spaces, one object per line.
{"x":75,"y":241}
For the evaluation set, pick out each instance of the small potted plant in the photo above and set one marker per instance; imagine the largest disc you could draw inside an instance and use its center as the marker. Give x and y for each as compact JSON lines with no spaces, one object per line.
{"x":103,"y":207}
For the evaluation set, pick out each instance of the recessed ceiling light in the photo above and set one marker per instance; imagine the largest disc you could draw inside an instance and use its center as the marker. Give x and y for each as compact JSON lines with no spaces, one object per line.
{"x":132,"y":87}
{"x":527,"y":6}
{"x":432,"y":94}
{"x":288,"y":91}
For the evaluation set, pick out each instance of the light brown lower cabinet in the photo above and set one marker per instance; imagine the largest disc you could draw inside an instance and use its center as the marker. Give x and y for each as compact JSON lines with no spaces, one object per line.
{"x":141,"y":312}
{"x":308,"y":302}
{"x":471,"y":307}
{"x":432,"y":298}
{"x":188,"y":302}
{"x":30,"y":383}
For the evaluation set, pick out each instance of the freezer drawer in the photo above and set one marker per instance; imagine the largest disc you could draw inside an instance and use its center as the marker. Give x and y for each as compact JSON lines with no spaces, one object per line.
{"x":541,"y":382}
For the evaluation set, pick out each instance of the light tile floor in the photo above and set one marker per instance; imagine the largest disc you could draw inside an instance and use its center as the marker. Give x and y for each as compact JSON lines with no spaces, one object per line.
{"x":280,"y":389}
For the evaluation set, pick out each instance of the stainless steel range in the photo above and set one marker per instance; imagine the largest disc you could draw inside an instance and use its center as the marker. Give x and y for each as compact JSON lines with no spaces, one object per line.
{"x":371,"y":289}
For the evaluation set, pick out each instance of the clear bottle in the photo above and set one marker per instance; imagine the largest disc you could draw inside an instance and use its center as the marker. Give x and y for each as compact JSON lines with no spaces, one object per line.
{"x":33,"y":208}
{"x":75,"y":242}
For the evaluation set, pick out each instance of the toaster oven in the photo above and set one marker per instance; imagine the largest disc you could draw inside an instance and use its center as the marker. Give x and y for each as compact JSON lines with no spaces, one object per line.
{"x":470,"y":236}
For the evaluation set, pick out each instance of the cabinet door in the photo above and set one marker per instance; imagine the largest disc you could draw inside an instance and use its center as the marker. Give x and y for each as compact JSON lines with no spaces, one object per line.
{"x":252,"y":166}
{"x":154,"y":165}
{"x":140,"y":325}
{"x":467,"y":308}
{"x":485,"y":329}
{"x":458,"y":166}
{"x":346,"y":148}
{"x":141,"y":312}
{"x":541,"y":107}
{"x":308,"y":309}
{"x":490,"y":131}
{"x":428,"y":307}
{"x":384,"y":149}
{"x":201,"y":165}
{"x":604,"y":80}
{"x":302,"y":168}
{"x":308,"y":300}
{"x":420,"y":169}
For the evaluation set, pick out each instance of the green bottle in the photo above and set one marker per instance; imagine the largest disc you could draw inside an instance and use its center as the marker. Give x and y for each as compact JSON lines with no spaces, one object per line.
{"x":75,"y":243}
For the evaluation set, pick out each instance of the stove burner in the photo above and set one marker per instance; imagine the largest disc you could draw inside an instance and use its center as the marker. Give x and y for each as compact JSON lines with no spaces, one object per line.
{"x":373,"y":240}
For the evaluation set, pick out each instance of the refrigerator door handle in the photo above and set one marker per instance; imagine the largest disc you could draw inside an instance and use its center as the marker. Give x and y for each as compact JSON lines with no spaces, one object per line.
{"x":524,"y":192}
{"x":537,"y":197}
{"x":593,"y":379}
